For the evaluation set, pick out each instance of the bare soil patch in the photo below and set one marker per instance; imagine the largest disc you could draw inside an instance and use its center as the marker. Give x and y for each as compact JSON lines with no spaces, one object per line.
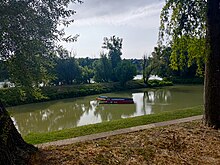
{"x":187,"y":143}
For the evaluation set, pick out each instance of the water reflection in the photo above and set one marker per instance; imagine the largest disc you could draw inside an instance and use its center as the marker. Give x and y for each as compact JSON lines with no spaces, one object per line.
{"x":55,"y":117}
{"x":68,"y":113}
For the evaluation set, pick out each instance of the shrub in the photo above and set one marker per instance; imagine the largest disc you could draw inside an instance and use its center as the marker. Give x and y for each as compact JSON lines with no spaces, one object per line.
{"x":195,"y":80}
{"x":159,"y":83}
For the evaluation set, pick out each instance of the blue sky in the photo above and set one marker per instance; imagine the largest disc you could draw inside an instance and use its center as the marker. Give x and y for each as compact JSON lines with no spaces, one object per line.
{"x":136,"y":21}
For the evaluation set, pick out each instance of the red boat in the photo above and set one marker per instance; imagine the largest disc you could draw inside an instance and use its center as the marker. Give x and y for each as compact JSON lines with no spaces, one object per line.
{"x":114,"y":100}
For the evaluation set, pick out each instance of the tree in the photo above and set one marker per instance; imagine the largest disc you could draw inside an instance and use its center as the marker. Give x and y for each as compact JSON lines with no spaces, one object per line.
{"x":87,"y":74}
{"x":125,"y":71}
{"x":144,"y":65}
{"x":28,"y":30}
{"x":175,"y":71}
{"x":184,"y":28}
{"x":196,"y":22}
{"x":103,"y":69}
{"x":113,"y":46}
{"x":212,"y":71}
{"x":27,"y":72}
{"x":67,"y":71}
{"x":164,"y":70}
{"x":3,"y":71}
{"x":86,"y":62}
{"x":151,"y":63}
{"x":14,"y":150}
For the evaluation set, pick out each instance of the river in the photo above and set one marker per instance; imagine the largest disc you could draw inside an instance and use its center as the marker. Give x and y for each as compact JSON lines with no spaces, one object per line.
{"x":69,"y":113}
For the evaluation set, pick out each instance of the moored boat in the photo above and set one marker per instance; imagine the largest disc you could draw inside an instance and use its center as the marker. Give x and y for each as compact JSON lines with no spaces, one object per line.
{"x":114,"y":100}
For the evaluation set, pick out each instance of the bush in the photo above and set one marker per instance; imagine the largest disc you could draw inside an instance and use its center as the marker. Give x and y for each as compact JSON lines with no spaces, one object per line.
{"x":195,"y":80}
{"x":159,"y":83}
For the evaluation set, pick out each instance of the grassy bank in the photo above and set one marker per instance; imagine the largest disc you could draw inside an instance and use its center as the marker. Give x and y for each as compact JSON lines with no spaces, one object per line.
{"x":12,"y":97}
{"x":186,"y":143}
{"x":37,"y":138}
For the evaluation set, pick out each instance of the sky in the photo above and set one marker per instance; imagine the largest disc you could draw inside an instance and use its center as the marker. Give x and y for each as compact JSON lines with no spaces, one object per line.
{"x":135,"y":21}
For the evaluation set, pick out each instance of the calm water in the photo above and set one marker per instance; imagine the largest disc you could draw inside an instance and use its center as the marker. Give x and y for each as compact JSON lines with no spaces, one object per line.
{"x":68,"y":113}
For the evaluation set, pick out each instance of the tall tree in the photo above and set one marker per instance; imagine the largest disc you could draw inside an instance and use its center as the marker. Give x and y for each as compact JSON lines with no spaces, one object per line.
{"x":3,"y":71}
{"x":125,"y":71}
{"x":103,"y":69}
{"x":67,"y":69}
{"x":212,"y":71}
{"x":151,"y":63}
{"x":164,"y":70}
{"x":14,"y":150}
{"x":28,"y":29}
{"x":144,"y":66}
{"x":114,"y":46}
{"x":87,"y":75}
{"x":197,"y":22}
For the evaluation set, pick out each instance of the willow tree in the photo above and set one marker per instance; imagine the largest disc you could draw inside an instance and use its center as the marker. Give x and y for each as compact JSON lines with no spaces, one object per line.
{"x":192,"y":28}
{"x":28,"y":31}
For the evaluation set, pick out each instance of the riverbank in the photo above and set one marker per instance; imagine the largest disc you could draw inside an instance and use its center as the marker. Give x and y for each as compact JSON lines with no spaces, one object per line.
{"x":12,"y":96}
{"x":112,"y":125}
{"x":185,"y":143}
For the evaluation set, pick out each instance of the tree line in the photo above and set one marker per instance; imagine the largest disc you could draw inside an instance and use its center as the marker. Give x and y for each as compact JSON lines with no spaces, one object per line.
{"x":63,"y":68}
{"x":160,"y":62}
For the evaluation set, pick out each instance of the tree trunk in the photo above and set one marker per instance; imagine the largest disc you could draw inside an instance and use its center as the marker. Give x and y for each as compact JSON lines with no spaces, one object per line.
{"x":212,"y":71}
{"x":144,"y":65}
{"x":13,"y":149}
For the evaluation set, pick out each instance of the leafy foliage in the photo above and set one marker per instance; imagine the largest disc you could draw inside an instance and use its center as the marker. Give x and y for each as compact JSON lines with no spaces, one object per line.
{"x":183,"y":27}
{"x":3,"y":71}
{"x":103,"y":69}
{"x":25,"y":23}
{"x":28,"y":32}
{"x":125,"y":71}
{"x":67,"y":70}
{"x":114,"y":46}
{"x":110,"y":67}
{"x":164,"y":69}
{"x":186,"y":51}
{"x":183,"y":18}
{"x":162,"y":58}
{"x":86,"y":62}
{"x":87,"y":75}
{"x":151,"y":63}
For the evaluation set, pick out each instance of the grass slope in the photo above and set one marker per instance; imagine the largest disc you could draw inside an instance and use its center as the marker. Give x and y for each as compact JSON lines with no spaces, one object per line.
{"x":37,"y":138}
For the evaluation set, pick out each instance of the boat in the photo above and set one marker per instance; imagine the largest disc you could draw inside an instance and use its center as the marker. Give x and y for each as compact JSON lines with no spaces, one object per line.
{"x":114,"y":100}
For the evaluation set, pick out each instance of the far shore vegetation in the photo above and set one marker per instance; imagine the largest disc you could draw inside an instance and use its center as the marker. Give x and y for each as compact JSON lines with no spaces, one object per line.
{"x":13,"y":97}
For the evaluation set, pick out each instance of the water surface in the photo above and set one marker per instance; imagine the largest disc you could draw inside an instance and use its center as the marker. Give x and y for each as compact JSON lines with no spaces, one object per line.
{"x":69,"y":113}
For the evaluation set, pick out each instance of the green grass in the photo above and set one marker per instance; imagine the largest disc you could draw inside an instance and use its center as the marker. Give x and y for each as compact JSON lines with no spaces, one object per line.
{"x":37,"y":138}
